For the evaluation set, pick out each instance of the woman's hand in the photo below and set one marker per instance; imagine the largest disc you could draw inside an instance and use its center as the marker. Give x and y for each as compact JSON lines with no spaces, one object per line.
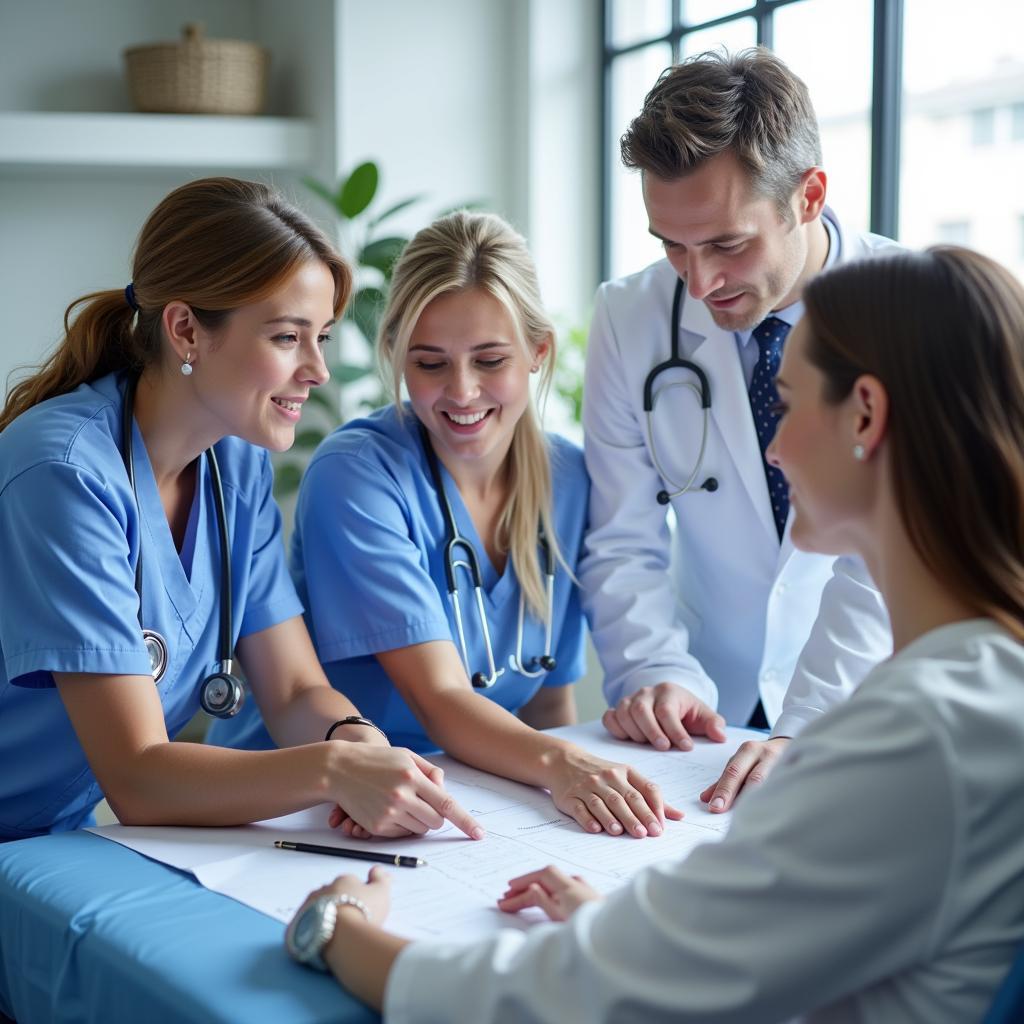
{"x":749,"y":766}
{"x":375,"y":892}
{"x":553,"y":891}
{"x":600,"y":794}
{"x":390,"y":791}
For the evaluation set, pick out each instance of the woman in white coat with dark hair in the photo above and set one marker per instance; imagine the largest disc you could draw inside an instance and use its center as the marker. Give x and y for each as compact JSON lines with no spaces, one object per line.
{"x":902,"y":440}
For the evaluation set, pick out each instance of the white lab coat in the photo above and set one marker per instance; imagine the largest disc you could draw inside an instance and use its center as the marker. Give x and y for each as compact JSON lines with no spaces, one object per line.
{"x":722,"y":609}
{"x":877,"y":877}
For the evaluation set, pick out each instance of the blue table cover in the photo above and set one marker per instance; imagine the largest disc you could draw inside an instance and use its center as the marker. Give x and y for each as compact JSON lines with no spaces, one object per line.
{"x":91,"y":931}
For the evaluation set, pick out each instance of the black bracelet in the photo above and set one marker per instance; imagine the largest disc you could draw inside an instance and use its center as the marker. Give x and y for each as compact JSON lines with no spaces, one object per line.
{"x":355,"y":720}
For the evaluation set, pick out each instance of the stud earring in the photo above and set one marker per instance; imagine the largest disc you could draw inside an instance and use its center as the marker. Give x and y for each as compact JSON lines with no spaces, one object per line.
{"x":859,"y":452}
{"x":534,"y":369}
{"x":186,"y":367}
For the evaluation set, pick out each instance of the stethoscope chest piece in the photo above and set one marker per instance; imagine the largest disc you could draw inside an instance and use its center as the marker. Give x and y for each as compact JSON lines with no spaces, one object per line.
{"x":156,"y":648}
{"x":222,"y":694}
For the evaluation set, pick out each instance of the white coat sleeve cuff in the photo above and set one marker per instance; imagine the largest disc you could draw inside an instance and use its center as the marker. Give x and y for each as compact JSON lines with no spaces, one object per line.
{"x":793,"y":721}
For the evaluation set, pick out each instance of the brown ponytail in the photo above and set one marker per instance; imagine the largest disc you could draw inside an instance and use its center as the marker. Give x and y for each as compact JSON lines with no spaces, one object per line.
{"x":215,"y":244}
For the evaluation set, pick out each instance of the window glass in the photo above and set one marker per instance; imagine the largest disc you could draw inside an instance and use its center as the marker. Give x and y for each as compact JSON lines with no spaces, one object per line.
{"x":632,"y":76}
{"x":733,"y":36}
{"x":839,"y":81}
{"x":1017,"y":124}
{"x":633,"y":21}
{"x":963,"y":80}
{"x":696,"y":12}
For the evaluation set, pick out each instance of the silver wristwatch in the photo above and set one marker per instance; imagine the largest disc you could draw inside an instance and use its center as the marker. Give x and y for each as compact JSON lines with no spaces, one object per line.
{"x":311,"y":930}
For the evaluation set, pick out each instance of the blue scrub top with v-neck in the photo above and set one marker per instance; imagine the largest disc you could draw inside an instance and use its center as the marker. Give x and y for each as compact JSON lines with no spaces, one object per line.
{"x":368,"y":561}
{"x":70,"y":534}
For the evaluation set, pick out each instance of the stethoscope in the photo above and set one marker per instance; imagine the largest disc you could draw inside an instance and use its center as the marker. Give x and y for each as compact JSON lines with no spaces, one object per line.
{"x":222,"y":692}
{"x":703,"y":394}
{"x":459,"y":553}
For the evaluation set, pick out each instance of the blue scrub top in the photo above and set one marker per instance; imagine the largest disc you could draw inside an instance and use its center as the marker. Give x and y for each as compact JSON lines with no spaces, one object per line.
{"x":368,"y":561}
{"x":69,"y":540}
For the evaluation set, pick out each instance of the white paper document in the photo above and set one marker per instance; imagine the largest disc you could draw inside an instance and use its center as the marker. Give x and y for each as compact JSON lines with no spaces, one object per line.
{"x":455,"y":894}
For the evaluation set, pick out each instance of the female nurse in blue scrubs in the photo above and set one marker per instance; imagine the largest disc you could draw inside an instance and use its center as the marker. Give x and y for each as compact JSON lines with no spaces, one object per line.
{"x":476,"y":674}
{"x":181,"y":381}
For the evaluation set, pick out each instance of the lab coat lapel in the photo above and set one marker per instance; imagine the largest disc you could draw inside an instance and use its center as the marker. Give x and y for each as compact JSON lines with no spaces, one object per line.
{"x":716,"y":352}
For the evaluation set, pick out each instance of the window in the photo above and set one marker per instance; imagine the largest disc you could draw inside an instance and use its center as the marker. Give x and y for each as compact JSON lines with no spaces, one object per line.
{"x":983,"y":127}
{"x":920,"y":104}
{"x":960,"y":164}
{"x":1017,"y":122}
{"x":954,"y":232}
{"x":642,"y":37}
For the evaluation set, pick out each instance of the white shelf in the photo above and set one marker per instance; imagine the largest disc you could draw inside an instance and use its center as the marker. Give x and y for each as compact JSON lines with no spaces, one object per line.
{"x":149,"y":141}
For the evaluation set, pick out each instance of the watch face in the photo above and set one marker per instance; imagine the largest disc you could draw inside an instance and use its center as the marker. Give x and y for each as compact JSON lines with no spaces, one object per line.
{"x":310,"y":931}
{"x":307,"y":927}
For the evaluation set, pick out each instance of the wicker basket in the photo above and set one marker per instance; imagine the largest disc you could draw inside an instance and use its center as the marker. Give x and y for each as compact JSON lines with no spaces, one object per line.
{"x":198,"y":76}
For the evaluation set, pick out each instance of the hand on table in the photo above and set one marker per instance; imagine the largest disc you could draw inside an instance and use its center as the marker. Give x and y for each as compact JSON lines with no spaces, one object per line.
{"x":666,"y":716}
{"x":375,"y":892}
{"x":553,"y":891}
{"x":600,"y":795}
{"x":749,"y":766}
{"x":391,"y":791}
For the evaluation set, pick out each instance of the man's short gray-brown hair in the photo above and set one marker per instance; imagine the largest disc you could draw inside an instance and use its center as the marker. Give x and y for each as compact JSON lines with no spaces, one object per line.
{"x":748,"y":102}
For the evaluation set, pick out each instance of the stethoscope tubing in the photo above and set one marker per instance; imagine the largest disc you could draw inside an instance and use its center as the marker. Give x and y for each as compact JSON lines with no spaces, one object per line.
{"x":221,"y":692}
{"x":456,"y":543}
{"x":703,"y":393}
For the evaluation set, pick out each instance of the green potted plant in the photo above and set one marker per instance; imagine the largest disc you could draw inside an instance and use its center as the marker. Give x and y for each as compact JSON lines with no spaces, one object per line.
{"x":373,"y":254}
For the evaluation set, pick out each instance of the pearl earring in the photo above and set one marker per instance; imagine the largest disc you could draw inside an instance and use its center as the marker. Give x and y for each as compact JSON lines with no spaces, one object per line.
{"x":186,"y":367}
{"x":534,"y":369}
{"x":859,"y":452}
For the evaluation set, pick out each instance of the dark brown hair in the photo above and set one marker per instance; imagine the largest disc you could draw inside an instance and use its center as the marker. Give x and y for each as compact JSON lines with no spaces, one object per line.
{"x":215,"y":244}
{"x":943,"y":331}
{"x":749,"y":102}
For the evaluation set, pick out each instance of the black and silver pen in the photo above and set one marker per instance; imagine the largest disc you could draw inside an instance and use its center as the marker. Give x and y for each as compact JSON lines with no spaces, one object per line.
{"x":341,"y":851}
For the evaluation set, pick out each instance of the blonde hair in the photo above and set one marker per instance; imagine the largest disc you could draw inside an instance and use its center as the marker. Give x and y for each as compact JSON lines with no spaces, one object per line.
{"x":215,"y":244}
{"x":479,"y":250}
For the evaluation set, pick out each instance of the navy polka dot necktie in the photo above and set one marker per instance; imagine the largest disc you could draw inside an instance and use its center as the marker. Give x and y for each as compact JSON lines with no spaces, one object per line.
{"x":770,"y":336}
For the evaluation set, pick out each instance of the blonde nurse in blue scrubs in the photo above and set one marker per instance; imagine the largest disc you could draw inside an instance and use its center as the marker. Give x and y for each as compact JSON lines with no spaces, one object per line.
{"x":141,"y":546}
{"x":436,"y":540}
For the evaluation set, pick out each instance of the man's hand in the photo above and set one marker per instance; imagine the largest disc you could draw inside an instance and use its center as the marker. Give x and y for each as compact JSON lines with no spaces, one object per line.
{"x":749,"y":766}
{"x":665,"y":716}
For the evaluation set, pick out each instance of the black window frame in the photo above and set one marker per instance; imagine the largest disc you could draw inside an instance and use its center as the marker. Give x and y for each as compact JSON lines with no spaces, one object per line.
{"x":886,"y":95}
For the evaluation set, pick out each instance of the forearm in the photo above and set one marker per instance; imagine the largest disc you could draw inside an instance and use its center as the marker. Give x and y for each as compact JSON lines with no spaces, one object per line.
{"x":310,"y":713}
{"x":195,"y":784}
{"x":483,"y":734}
{"x":550,"y":708}
{"x":361,"y":955}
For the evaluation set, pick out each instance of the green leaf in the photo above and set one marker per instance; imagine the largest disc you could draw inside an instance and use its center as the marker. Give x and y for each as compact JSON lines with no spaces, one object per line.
{"x":321,"y":190}
{"x":349,"y":373}
{"x":382,"y":253}
{"x":356,"y":194}
{"x":306,"y":439}
{"x":286,"y":479}
{"x":365,"y":311}
{"x":392,"y":210}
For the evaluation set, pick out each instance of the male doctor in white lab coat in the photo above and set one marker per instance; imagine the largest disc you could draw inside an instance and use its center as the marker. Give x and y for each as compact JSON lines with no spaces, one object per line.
{"x":722,"y":620}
